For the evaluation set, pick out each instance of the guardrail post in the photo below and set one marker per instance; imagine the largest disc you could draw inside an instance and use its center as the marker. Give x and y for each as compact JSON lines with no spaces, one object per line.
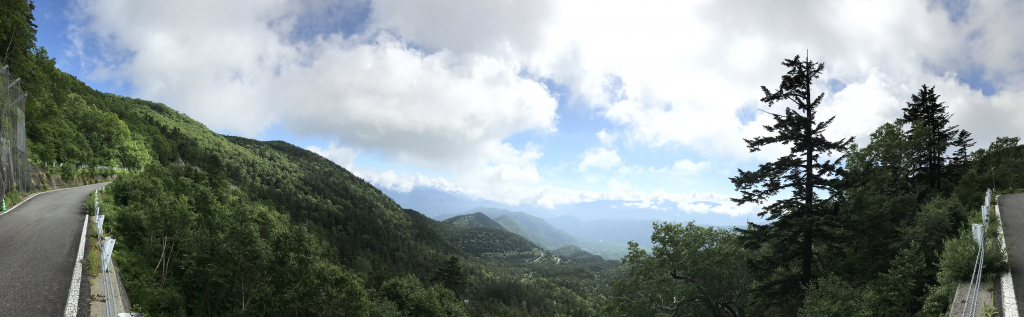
{"x":984,"y":215}
{"x":105,"y":251}
{"x":99,"y":228}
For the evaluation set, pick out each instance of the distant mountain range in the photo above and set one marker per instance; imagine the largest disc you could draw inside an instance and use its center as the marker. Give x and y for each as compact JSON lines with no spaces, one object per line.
{"x":534,"y":229}
{"x":603,"y":229}
{"x":599,"y":227}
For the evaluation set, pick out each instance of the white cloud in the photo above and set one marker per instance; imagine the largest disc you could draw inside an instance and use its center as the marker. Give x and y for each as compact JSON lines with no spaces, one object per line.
{"x":866,"y":105}
{"x":600,"y":158}
{"x":619,"y":186}
{"x":688,"y":167}
{"x":234,"y":67}
{"x":549,"y":197}
{"x":995,"y":29}
{"x":607,"y":138}
{"x":403,"y":182}
{"x":467,"y":26}
{"x":341,"y":155}
{"x":675,"y":73}
{"x":441,"y":84}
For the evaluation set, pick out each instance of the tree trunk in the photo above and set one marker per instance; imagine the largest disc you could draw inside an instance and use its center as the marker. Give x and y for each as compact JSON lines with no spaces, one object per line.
{"x":805,"y":280}
{"x":808,"y":252}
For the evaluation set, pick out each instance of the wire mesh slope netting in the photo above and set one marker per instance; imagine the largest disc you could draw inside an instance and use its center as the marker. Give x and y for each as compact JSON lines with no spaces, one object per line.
{"x":14,"y":166}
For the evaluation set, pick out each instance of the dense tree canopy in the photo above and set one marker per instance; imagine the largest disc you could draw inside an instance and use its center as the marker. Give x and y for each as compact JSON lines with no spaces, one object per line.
{"x":691,"y":271}
{"x":17,"y":33}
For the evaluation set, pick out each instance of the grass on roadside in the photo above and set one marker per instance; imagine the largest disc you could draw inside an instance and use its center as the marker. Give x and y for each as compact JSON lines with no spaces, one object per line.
{"x":13,"y":197}
{"x":94,"y":252}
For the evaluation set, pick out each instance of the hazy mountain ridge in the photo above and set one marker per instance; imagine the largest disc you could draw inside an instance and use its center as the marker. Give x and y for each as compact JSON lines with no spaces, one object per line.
{"x":473,"y":220}
{"x":574,"y":252}
{"x":515,"y":227}
{"x":601,"y":229}
{"x":539,"y":230}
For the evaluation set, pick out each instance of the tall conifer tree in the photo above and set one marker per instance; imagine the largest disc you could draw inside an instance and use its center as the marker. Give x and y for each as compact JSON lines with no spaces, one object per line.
{"x":932,"y":165}
{"x":799,"y":219}
{"x":926,"y":109}
{"x":960,"y":157}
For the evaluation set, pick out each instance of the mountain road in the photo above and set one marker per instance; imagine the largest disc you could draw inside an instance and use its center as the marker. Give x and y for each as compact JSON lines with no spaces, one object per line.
{"x":39,"y":241}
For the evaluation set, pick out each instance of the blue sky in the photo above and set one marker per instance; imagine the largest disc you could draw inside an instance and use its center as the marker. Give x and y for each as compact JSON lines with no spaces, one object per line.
{"x":540,"y":102}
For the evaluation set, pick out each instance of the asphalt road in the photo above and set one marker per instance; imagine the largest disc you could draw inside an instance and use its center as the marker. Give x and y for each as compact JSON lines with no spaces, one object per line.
{"x":38,"y":246}
{"x":1011,"y":208}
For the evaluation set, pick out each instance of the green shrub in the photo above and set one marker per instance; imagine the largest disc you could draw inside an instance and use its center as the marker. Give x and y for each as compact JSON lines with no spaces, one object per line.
{"x":938,"y":299}
{"x":13,"y":197}
{"x":409,"y":295}
{"x":67,"y":173}
{"x":959,"y":255}
{"x":831,"y":296}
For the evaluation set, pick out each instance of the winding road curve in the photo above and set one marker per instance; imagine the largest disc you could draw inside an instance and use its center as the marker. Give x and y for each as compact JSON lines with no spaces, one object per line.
{"x":38,"y":247}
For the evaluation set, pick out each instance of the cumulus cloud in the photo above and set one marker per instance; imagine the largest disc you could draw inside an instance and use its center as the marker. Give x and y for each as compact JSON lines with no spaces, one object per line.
{"x":468,"y":26}
{"x":682,"y":84}
{"x":996,"y":29}
{"x":341,"y":155}
{"x":607,"y":138}
{"x":600,"y":158}
{"x":403,"y":182}
{"x":441,"y":84}
{"x":550,"y":197}
{"x":619,"y":186}
{"x":688,"y":167}
{"x":240,"y":72}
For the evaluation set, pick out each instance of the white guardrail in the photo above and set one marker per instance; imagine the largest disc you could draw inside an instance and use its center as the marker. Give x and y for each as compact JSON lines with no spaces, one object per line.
{"x":110,"y":289}
{"x":971,"y":306}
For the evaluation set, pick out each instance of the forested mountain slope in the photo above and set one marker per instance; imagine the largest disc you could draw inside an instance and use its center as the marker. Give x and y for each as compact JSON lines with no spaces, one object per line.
{"x":472,"y":220}
{"x":526,"y":225}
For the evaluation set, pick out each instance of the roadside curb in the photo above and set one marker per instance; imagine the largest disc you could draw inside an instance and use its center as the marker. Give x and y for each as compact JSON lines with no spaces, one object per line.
{"x":1009,"y":299}
{"x":71,"y":308}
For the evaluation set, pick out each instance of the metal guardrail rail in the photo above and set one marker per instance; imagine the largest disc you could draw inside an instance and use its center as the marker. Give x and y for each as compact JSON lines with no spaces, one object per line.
{"x":112,"y":287}
{"x":979,"y":229}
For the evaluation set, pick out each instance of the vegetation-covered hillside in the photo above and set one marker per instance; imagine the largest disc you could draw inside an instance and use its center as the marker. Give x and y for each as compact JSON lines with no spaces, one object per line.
{"x":472,"y":220}
{"x":530,"y":227}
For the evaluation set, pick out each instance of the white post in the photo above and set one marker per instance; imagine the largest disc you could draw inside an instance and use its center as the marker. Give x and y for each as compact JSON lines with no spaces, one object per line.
{"x":984,"y":215}
{"x":105,"y":252}
{"x":107,"y":249}
{"x":979,"y":234}
{"x":99,"y":228}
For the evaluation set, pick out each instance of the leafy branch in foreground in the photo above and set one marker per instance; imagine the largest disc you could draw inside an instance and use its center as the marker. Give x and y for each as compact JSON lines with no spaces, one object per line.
{"x":691,"y":270}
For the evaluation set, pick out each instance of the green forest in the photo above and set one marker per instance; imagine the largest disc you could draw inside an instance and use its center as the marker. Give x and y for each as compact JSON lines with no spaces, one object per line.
{"x":217,"y":225}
